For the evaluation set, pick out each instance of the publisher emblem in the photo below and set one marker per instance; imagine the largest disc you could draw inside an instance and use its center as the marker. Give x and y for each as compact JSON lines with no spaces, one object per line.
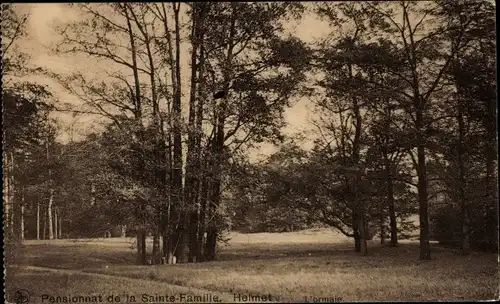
{"x":21,"y":296}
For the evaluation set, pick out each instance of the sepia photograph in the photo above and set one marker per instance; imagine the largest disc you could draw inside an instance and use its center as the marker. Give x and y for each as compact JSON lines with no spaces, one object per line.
{"x":250,"y":152}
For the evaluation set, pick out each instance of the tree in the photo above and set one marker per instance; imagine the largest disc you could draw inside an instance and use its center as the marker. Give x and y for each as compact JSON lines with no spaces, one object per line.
{"x":243,"y":52}
{"x":423,"y":42}
{"x":466,"y":139}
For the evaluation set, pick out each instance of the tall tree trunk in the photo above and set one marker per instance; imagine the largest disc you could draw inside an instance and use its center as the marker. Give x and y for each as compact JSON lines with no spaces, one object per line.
{"x":211,"y":242}
{"x":425,"y":250}
{"x":182,"y":237}
{"x":56,"y":220}
{"x":361,"y":225}
{"x":37,"y":220}
{"x":49,"y":213}
{"x":156,"y":247}
{"x":21,"y":219}
{"x":382,"y":226}
{"x":166,"y":217}
{"x":92,"y":194}
{"x":390,"y":200}
{"x":203,"y":214}
{"x":45,"y":223}
{"x":144,"y":253}
{"x":60,"y":224}
{"x":160,"y":170}
{"x":167,"y":229}
{"x":462,"y":182}
{"x":191,"y":182}
{"x":355,"y":231}
{"x":195,"y":122}
{"x":170,"y":212}
{"x":141,"y":238}
{"x":201,"y":166}
{"x":7,"y":198}
{"x":51,"y":196}
{"x":218,"y":144}
{"x":491,"y":164}
{"x":12,"y":192}
{"x":140,"y":249}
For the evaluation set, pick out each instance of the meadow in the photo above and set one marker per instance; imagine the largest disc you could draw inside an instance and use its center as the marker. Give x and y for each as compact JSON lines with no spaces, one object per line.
{"x":312,"y":265}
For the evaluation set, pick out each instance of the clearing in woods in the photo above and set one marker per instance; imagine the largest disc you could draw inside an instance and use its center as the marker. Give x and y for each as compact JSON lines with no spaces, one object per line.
{"x":307,"y":265}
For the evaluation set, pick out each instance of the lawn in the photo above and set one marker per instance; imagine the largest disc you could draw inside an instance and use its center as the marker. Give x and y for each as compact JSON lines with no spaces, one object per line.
{"x":285,"y":267}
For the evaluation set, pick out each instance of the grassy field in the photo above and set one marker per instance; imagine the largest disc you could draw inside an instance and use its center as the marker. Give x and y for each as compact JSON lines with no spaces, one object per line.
{"x":285,"y":267}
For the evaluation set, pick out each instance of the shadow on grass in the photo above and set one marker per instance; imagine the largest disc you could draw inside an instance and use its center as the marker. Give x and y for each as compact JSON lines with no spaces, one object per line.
{"x":285,"y":270}
{"x":71,"y":257}
{"x":83,"y":256}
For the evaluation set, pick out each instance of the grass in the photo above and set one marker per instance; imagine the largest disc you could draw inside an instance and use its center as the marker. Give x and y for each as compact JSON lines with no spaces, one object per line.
{"x":287,"y":266}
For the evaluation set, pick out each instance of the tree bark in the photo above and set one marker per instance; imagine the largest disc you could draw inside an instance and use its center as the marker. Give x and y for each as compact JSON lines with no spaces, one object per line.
{"x":12,"y":192}
{"x":392,"y":211}
{"x":218,"y":145}
{"x":202,"y":217}
{"x":425,"y":250}
{"x":156,"y":247}
{"x":7,"y":200}
{"x":211,"y":242}
{"x":169,"y":217}
{"x":462,"y":182}
{"x":37,"y":220}
{"x":201,"y":166}
{"x":92,"y":194}
{"x":382,"y":227}
{"x":192,"y":153}
{"x":60,"y":224}
{"x":140,"y":249}
{"x":45,"y":223}
{"x":355,"y":231}
{"x":56,"y":220}
{"x":21,"y":219}
{"x":49,"y":213}
{"x":181,"y":237}
{"x":51,"y":196}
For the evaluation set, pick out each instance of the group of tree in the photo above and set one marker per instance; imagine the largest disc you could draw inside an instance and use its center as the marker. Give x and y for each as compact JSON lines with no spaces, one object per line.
{"x":28,"y":135}
{"x":404,"y":96}
{"x":405,"y":103}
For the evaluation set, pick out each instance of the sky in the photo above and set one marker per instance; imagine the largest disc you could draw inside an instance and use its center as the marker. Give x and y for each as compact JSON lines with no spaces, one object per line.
{"x":41,"y":35}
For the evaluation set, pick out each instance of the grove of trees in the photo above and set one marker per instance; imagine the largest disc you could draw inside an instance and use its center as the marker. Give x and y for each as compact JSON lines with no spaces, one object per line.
{"x":404,"y":98}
